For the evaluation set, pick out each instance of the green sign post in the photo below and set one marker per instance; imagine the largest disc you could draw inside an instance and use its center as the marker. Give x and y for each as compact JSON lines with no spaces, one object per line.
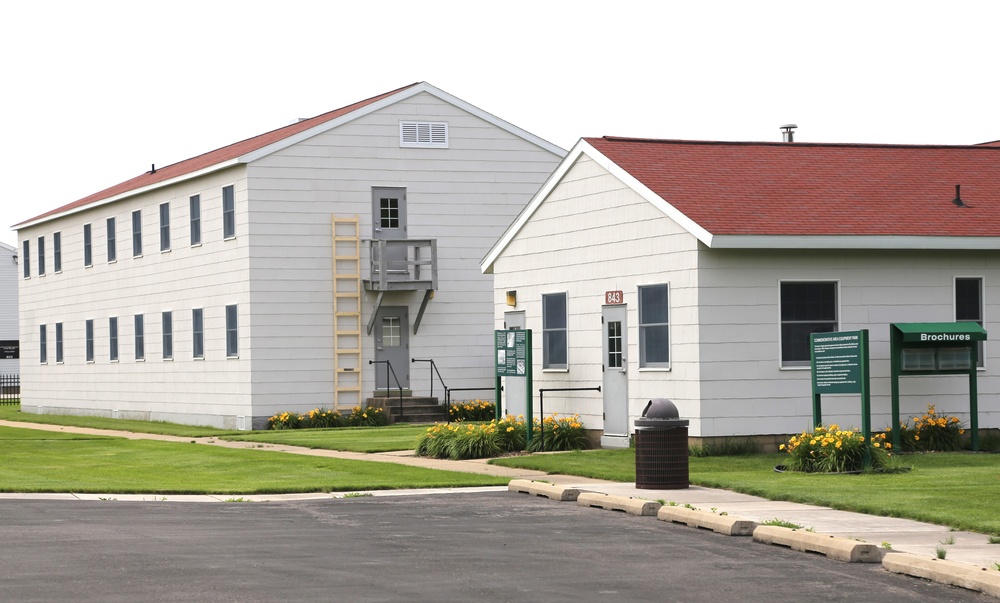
{"x":512,"y":354}
{"x":840,"y":365}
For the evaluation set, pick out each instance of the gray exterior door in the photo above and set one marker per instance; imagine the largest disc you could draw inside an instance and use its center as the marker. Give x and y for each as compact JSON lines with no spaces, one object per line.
{"x":389,"y":224}
{"x":615,"y":378}
{"x":392,"y":343}
{"x":514,"y":398}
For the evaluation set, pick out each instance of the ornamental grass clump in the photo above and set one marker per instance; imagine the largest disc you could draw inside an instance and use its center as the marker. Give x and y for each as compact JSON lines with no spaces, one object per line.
{"x":833,"y":450}
{"x":494,"y":438}
{"x":475,"y":410}
{"x":931,"y":432}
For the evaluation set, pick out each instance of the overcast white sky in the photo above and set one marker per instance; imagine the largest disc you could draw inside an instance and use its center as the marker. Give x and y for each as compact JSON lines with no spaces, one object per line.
{"x":94,"y":92}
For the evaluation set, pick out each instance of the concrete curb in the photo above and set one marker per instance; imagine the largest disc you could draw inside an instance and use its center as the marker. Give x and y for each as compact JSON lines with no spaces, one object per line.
{"x":945,"y":572}
{"x":632,"y":506}
{"x":834,"y":547}
{"x":696,"y":518}
{"x":552,"y":491}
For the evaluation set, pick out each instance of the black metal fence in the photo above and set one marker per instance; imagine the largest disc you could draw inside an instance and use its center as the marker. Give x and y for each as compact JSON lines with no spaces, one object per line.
{"x":10,"y":389}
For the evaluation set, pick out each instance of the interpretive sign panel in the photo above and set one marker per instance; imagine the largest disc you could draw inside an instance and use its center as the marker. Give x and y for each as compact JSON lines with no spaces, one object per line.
{"x":836,"y":362}
{"x":511,"y":353}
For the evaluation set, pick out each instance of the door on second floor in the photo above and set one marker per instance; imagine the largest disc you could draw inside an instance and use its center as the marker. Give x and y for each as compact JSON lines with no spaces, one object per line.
{"x":389,"y":224}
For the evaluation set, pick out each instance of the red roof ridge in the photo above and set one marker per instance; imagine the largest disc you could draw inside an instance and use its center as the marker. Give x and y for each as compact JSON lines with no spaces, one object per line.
{"x":982,"y":145}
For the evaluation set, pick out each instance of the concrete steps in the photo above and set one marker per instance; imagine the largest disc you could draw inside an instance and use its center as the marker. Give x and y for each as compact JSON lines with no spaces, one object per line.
{"x":415,"y":409}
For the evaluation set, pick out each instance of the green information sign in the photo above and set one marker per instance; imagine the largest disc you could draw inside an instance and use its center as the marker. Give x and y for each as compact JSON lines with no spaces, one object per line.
{"x":511,"y":353}
{"x":836,"y":361}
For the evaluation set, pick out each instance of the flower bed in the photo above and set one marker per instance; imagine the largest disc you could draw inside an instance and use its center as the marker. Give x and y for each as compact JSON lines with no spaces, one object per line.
{"x":931,"y":431}
{"x":475,"y":410}
{"x":833,"y":450}
{"x":324,"y":418}
{"x":495,"y":438}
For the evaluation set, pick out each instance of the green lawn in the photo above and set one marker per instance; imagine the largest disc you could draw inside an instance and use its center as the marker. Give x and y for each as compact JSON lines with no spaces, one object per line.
{"x":355,"y":439}
{"x":40,"y":461}
{"x":960,"y":490}
{"x":13,"y":413}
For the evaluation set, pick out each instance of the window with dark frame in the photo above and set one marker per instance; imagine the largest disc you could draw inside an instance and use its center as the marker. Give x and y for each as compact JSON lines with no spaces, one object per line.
{"x":554,"y":334}
{"x":198,"y":333}
{"x":654,"y":326}
{"x":90,"y":340}
{"x":88,"y":257}
{"x":806,"y":308}
{"x":168,"y":335}
{"x":195,"y":211}
{"x":969,"y":308}
{"x":57,"y":252}
{"x":112,"y":242}
{"x":228,"y":212}
{"x":41,"y":256}
{"x":59,"y":343}
{"x":26,"y":257}
{"x":113,"y":338}
{"x":137,"y":233}
{"x":232,"y":332}
{"x":43,"y":351}
{"x":164,"y":226}
{"x":140,"y":339}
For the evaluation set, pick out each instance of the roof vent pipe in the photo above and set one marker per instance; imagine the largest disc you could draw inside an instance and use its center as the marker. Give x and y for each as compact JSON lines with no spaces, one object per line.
{"x":788,"y":132}
{"x":958,"y":196}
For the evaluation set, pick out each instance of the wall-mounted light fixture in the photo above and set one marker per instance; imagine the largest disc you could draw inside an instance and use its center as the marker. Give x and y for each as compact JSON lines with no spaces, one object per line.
{"x":512,"y":298}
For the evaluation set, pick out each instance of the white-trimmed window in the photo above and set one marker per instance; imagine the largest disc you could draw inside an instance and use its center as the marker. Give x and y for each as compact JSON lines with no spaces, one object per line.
{"x":137,"y":233}
{"x":112,"y":250}
{"x":164,"y":226}
{"x":41,"y":256}
{"x":654,"y":326}
{"x":168,"y":335}
{"x":554,"y":334}
{"x":113,"y":338}
{"x":198,"y":333}
{"x":194,"y":203}
{"x":969,"y":306}
{"x":26,"y":257}
{"x":88,"y":249}
{"x":140,"y":338}
{"x":90,"y":340}
{"x":59,"y":343}
{"x":806,"y":307}
{"x":57,"y":252}
{"x":232,"y":332}
{"x":427,"y":134}
{"x":228,"y":212}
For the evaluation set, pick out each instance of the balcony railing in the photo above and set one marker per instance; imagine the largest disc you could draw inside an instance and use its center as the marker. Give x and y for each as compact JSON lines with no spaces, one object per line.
{"x":402,"y":265}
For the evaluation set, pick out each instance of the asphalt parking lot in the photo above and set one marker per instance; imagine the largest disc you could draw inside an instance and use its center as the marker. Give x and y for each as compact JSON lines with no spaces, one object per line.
{"x":495,"y":546}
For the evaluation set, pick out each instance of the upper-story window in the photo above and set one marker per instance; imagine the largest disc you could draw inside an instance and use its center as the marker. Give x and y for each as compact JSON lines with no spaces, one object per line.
{"x":88,"y":250}
{"x":228,"y":212}
{"x":195,"y":207}
{"x":112,"y":241}
{"x":41,"y":256}
{"x":433,"y":135}
{"x":57,"y":252}
{"x":164,"y":227}
{"x":26,"y":257}
{"x":806,"y":308}
{"x":137,"y":233}
{"x":969,"y":306}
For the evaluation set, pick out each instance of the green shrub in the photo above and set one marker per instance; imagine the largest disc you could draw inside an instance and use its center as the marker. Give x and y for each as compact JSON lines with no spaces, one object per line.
{"x":561,"y":433}
{"x":372,"y":416}
{"x":931,"y":431}
{"x":832,"y":450}
{"x":471,"y":440}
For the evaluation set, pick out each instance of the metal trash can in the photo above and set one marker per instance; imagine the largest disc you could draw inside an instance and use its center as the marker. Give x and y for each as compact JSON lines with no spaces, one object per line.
{"x":661,"y":447}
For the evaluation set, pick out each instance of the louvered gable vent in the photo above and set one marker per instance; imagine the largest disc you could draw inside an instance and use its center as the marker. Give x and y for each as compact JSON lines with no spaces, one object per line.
{"x":423,"y":134}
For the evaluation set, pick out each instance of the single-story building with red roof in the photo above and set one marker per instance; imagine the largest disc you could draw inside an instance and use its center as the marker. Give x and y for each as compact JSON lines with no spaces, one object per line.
{"x":696,"y":271}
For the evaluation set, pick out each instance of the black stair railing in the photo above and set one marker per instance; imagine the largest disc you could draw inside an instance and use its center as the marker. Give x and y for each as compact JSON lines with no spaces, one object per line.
{"x":434,"y":371}
{"x":389,"y":371}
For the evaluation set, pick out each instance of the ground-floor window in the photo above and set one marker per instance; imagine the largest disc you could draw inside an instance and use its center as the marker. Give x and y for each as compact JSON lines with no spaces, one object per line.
{"x":654,"y":326}
{"x":806,"y":307}
{"x":554,"y":340}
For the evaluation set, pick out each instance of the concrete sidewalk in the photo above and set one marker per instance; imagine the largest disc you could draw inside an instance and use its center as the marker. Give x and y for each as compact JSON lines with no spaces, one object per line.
{"x":901,"y":535}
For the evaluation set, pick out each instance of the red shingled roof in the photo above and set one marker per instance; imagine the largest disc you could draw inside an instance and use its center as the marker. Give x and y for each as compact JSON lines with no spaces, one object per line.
{"x":805,"y":189}
{"x":215,"y":157}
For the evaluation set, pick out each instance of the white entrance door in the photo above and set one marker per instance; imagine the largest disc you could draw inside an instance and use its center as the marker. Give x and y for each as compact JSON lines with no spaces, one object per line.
{"x":514,"y":399}
{"x":615,"y":382}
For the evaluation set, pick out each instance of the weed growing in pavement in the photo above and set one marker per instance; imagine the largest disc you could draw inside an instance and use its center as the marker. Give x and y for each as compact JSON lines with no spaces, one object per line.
{"x":886,"y":546}
{"x":781,"y":523}
{"x":996,"y":566}
{"x":941,"y":552}
{"x":994,"y":539}
{"x":357,"y":494}
{"x":948,"y":540}
{"x":237,"y":500}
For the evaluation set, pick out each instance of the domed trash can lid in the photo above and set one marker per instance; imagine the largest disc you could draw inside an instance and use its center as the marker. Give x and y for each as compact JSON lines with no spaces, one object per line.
{"x":660,"y":412}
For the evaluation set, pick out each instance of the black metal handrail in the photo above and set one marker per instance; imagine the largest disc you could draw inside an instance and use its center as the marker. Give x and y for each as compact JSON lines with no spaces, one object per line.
{"x":388,"y":370}
{"x":541,"y":405}
{"x":434,"y":369}
{"x":447,"y":395}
